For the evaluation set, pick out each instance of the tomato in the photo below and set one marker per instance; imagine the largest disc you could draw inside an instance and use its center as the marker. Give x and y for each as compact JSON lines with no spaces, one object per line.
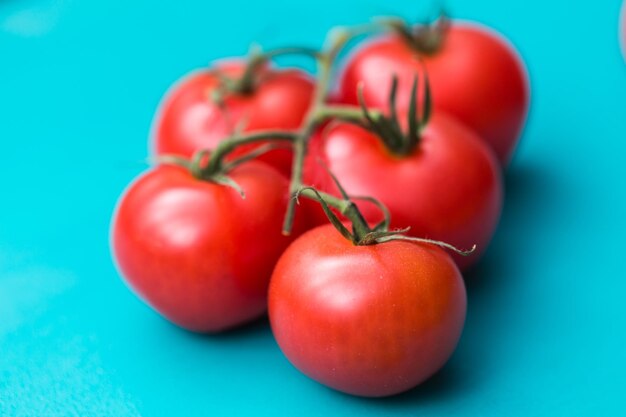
{"x":189,"y":119}
{"x":449,"y":188}
{"x":196,"y":251}
{"x":366,"y":320}
{"x":475,"y":75}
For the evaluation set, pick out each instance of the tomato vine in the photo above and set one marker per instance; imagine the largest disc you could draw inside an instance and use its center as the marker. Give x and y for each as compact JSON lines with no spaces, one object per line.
{"x":210,"y":165}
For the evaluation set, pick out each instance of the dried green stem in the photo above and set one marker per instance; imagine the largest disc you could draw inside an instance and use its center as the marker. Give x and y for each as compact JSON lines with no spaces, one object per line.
{"x":345,"y":207}
{"x":348,"y":114}
{"x":246,"y":83}
{"x":225,"y":147}
{"x":335,"y":42}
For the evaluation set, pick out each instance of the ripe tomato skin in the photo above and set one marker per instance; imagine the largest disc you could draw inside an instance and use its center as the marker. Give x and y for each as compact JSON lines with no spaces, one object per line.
{"x":449,"y":188}
{"x":366,"y":320}
{"x":196,"y":251}
{"x":189,"y":120}
{"x":476,"y":76}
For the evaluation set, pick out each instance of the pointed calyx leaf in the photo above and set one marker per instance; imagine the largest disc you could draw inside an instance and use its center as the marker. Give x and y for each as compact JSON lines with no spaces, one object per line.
{"x":332,"y":217}
{"x":425,"y":38}
{"x":198,"y":162}
{"x":229,"y":182}
{"x":224,"y":86}
{"x":401,"y":28}
{"x":429,"y":37}
{"x":342,"y":191}
{"x":247,"y":82}
{"x":428,"y":100}
{"x":374,"y":237}
{"x":384,"y":223}
{"x":399,"y":236}
{"x":244,"y":84}
{"x":197,"y":167}
{"x":382,"y":236}
{"x":362,"y":234}
{"x":413,"y":122}
{"x":388,"y":128}
{"x":173,"y":160}
{"x":251,"y":77}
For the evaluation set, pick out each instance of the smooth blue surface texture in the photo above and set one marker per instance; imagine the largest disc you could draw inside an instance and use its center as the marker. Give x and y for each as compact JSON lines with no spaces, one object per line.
{"x":79,"y":83}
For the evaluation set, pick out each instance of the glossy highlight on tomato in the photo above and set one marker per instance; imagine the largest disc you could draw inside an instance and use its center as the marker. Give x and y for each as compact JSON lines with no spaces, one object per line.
{"x":366,"y":320}
{"x":196,"y":251}
{"x":190,"y":118}
{"x":475,"y":75}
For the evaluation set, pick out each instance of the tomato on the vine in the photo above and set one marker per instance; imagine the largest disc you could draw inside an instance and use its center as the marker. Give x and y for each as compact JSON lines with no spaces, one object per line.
{"x":198,"y":114}
{"x":448,"y":188}
{"x":196,"y":251}
{"x":371,"y":320}
{"x":476,"y":76}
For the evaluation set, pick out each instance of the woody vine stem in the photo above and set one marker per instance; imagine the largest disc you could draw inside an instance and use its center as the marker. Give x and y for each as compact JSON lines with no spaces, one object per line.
{"x":318,"y":113}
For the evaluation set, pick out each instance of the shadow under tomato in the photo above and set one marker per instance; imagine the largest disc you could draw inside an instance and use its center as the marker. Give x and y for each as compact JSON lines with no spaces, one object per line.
{"x":259,"y":327}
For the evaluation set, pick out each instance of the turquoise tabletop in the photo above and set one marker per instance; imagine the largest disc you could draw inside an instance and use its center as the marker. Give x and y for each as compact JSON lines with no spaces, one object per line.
{"x":79,"y":83}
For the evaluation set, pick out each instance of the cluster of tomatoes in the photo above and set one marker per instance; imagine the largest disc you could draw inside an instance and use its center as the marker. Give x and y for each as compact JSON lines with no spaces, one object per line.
{"x":402,"y":148}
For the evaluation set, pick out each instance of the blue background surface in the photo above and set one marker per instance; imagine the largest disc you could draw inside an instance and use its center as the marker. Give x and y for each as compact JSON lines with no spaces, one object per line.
{"x":79,"y":83}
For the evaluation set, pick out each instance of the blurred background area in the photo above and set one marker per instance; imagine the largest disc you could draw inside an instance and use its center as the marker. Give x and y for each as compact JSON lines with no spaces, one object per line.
{"x":79,"y":84}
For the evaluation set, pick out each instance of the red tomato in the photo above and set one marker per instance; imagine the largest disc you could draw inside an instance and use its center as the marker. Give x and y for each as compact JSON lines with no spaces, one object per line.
{"x":449,"y":188}
{"x":475,"y":75}
{"x":196,"y":251}
{"x":367,"y":320}
{"x":189,"y":120}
